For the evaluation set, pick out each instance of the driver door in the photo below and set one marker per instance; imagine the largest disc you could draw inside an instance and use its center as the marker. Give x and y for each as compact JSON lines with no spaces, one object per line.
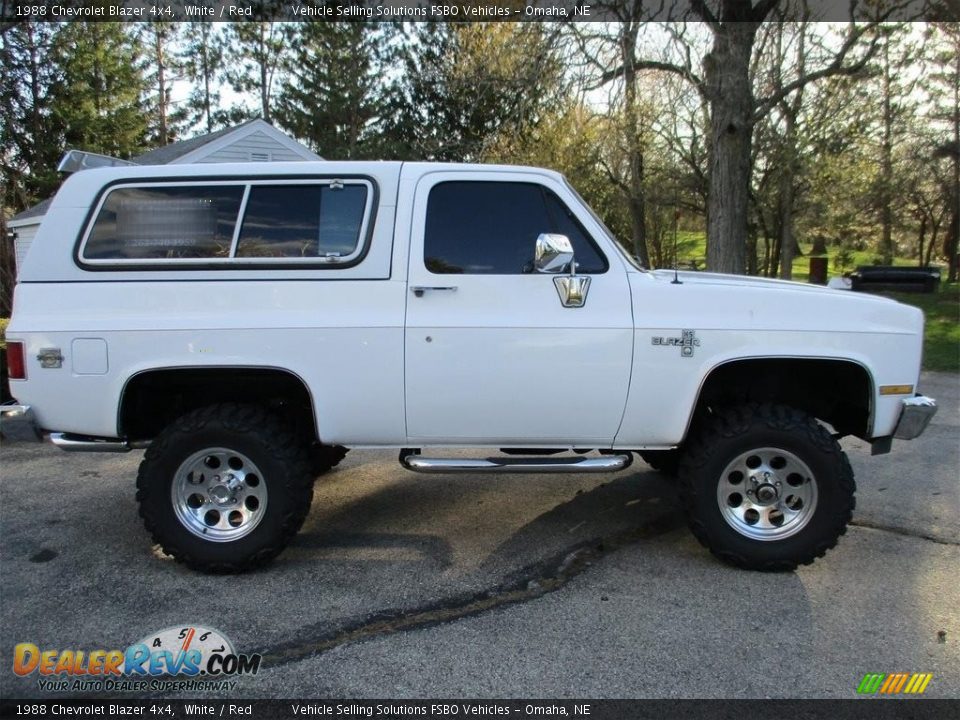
{"x":492,"y":355}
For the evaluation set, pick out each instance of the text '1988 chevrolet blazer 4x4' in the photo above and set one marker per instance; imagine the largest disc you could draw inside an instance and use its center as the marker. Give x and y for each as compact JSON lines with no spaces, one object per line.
{"x":248,"y":323}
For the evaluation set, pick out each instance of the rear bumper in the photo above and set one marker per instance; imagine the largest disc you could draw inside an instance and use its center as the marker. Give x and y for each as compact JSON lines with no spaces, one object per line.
{"x":16,"y":411}
{"x":915,"y":415}
{"x":23,"y":415}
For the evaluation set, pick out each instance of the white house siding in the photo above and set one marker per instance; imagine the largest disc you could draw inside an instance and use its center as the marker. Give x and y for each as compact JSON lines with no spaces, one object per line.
{"x":25,"y":235}
{"x":248,"y":149}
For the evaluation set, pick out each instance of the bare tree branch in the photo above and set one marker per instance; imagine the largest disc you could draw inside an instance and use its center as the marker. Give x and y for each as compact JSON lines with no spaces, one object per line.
{"x":686,"y":73}
{"x":836,"y":67}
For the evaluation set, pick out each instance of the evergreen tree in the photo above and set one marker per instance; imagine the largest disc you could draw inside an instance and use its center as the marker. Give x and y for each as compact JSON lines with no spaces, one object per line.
{"x":98,"y":95}
{"x":465,"y":84}
{"x":254,"y":58}
{"x":159,"y":37}
{"x":30,"y":138}
{"x":332,"y":98}
{"x":202,"y":62}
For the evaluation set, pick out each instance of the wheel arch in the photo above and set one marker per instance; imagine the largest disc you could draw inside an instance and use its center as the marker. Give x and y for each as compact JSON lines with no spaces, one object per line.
{"x":152,"y":398}
{"x":837,"y":390}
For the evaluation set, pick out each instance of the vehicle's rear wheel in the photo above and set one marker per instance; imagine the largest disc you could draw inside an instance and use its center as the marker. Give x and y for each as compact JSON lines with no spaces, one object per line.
{"x":766,"y":487}
{"x":225,"y":488}
{"x":323,"y":458}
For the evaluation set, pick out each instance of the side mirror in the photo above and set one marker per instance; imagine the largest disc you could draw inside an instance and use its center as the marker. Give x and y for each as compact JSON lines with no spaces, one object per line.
{"x":553,"y":253}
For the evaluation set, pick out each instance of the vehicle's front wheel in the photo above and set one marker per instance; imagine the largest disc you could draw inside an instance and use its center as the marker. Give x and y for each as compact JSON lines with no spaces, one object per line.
{"x":663,"y":461}
{"x":225,"y":488}
{"x":766,"y":487}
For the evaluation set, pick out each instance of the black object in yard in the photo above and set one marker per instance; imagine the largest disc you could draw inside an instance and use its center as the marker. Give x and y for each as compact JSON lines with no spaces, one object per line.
{"x":876,"y":278}
{"x":818,"y":270}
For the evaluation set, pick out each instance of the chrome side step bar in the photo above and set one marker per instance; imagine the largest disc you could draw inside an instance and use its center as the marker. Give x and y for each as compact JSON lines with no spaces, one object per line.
{"x":83,"y":443}
{"x":606,"y":463}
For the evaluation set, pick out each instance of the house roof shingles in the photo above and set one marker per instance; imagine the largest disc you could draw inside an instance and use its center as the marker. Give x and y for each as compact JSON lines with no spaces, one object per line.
{"x":168,"y":153}
{"x":35,"y":211}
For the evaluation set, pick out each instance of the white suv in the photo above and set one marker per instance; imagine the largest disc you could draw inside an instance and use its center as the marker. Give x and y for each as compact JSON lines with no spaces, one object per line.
{"x":247,"y":323}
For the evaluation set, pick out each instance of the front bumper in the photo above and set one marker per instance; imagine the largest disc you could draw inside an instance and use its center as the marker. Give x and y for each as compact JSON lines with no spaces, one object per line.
{"x":915,"y":415}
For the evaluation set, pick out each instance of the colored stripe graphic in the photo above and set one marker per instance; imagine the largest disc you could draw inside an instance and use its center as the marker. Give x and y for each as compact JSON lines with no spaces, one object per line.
{"x":889,"y":683}
{"x":901,"y":682}
{"x":870,"y":683}
{"x":894,"y":683}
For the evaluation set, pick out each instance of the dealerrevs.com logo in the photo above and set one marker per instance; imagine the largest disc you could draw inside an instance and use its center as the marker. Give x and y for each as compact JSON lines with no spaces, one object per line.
{"x":178,"y":658}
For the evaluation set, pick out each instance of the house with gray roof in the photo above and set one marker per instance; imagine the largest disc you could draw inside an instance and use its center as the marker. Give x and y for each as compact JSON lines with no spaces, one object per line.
{"x":252,"y":141}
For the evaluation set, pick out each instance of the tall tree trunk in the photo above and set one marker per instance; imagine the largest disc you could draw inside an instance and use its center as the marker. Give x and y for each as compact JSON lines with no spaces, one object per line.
{"x":264,"y":96}
{"x":933,"y":242}
{"x":207,"y":110}
{"x":777,"y":247}
{"x":161,"y":87}
{"x":785,"y":210}
{"x":264,"y":73}
{"x":731,"y":126}
{"x":635,"y":160}
{"x":921,"y":239}
{"x":886,"y":165}
{"x":791,"y":162}
{"x":751,"y":253}
{"x":954,"y":231}
{"x":36,"y":118}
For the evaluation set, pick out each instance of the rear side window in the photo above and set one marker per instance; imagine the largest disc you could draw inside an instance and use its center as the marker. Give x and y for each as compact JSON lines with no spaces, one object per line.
{"x":492,"y":227}
{"x":302,"y":221}
{"x":231,"y":223}
{"x":154,"y":223}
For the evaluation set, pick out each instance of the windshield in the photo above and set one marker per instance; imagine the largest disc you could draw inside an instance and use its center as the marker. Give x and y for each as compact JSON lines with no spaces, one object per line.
{"x":624,"y":250}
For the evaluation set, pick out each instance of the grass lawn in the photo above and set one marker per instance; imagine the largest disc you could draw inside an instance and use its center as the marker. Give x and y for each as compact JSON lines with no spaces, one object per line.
{"x":692,"y":247}
{"x":941,"y":344}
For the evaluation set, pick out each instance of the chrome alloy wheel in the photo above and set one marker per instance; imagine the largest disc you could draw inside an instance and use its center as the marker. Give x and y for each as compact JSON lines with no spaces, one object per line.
{"x":767,"y":494}
{"x":219,"y":494}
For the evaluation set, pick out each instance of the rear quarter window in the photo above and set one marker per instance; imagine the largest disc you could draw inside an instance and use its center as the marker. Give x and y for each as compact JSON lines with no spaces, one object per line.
{"x":295,"y":221}
{"x":233,"y":225}
{"x":165,"y":223}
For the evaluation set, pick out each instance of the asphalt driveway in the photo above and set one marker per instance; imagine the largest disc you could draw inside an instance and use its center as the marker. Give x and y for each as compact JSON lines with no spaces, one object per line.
{"x":403,"y":585}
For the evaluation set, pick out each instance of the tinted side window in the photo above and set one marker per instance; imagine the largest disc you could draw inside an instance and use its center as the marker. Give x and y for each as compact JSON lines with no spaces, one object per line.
{"x":491,"y":228}
{"x":151,"y":223}
{"x":291,"y":221}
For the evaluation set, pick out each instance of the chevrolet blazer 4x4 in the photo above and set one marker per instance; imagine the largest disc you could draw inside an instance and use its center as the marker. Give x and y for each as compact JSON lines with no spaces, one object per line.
{"x":245,"y":324}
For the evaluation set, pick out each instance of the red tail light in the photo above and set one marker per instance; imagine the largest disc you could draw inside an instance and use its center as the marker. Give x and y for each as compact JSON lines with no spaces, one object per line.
{"x":15,"y":365}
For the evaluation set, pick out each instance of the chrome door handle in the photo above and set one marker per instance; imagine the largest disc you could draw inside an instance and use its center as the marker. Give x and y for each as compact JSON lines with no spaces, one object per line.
{"x":418,"y":290}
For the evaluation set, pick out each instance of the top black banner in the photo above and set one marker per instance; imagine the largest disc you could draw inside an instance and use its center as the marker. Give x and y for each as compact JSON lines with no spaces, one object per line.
{"x":474,"y":10}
